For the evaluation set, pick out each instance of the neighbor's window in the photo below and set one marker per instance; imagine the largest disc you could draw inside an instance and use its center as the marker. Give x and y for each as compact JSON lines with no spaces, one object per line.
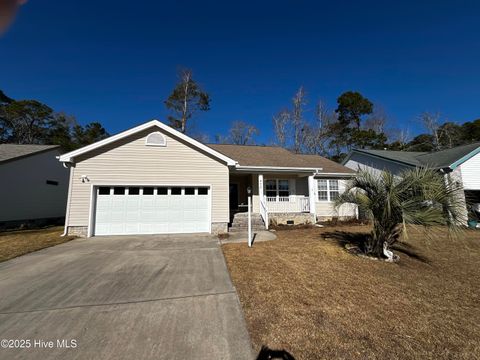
{"x":277,"y":188}
{"x":328,"y":190}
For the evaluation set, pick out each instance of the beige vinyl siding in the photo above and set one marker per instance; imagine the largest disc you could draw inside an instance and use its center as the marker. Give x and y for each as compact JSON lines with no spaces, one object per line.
{"x":130,"y":161}
{"x":327,"y":208}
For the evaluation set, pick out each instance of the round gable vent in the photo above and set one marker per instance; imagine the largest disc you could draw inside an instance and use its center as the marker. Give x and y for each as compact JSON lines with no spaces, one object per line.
{"x":156,"y":139}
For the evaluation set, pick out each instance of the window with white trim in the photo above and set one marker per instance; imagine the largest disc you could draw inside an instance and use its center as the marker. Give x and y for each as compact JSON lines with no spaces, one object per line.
{"x":328,"y":189}
{"x":275,"y":188}
{"x":156,"y":139}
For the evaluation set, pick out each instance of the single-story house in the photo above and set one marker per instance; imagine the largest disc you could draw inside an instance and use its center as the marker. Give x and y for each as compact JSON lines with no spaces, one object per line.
{"x":460,"y":164}
{"x":153,"y":179}
{"x":33,"y":185}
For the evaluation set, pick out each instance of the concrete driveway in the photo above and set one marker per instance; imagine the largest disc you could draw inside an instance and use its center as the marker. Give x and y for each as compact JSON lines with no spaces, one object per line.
{"x":123,"y":297}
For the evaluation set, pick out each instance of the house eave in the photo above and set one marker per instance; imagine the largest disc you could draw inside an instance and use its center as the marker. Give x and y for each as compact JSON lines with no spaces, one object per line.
{"x":378,"y":157}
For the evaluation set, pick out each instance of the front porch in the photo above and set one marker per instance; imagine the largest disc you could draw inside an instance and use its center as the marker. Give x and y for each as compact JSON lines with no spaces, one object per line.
{"x":278,"y":197}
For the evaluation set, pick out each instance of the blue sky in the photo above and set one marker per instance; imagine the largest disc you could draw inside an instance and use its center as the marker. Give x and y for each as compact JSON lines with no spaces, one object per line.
{"x":116,"y":61}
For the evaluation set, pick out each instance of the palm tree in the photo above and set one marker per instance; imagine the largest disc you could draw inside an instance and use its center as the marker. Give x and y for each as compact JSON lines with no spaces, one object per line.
{"x":419,"y":196}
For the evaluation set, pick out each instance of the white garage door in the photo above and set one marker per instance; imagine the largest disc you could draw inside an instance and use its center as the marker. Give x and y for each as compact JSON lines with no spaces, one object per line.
{"x":122,"y":210}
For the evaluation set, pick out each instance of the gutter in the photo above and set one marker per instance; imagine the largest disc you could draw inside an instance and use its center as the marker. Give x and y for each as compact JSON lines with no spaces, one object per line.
{"x":335,"y":174}
{"x":276,"y":169}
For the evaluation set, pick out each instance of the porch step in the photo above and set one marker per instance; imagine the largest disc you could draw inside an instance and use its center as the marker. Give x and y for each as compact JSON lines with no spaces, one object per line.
{"x":240,"y":222}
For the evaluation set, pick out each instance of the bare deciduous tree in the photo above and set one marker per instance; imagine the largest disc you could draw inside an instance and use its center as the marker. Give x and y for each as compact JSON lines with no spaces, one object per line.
{"x":377,"y":120}
{"x":298,"y":123}
{"x":317,"y":135}
{"x":242,"y":133}
{"x":431,"y":121}
{"x":280,"y":126}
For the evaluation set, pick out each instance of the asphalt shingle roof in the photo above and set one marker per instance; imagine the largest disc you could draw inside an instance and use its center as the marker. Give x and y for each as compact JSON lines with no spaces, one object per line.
{"x":438,"y":159}
{"x":253,"y":155}
{"x":13,"y":151}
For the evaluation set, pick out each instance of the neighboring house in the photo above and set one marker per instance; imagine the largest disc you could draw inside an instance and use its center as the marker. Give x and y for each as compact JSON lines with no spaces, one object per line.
{"x":33,"y":185}
{"x":460,"y":164}
{"x":153,"y":179}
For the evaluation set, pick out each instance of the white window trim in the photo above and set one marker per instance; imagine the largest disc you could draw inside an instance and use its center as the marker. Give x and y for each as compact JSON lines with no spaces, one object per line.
{"x":328,"y":190}
{"x":277,"y":189}
{"x":164,"y":144}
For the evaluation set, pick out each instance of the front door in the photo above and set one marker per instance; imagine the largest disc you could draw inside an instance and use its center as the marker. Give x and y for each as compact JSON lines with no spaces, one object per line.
{"x":234,"y":197}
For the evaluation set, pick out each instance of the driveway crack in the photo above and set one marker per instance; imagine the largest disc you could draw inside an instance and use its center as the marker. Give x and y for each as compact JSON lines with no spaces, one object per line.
{"x":118,"y":303}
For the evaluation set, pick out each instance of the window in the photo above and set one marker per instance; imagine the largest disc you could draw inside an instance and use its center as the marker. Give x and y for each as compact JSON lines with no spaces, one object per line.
{"x":271,"y":188}
{"x":277,"y":188}
{"x":118,"y":190}
{"x":323,"y":190}
{"x":328,"y":190}
{"x":103,"y":190}
{"x":162,"y":191}
{"x":283,"y":190}
{"x":203,"y":191}
{"x":156,"y":139}
{"x":334,"y":192}
{"x":176,"y":191}
{"x":189,"y":191}
{"x":52,"y":182}
{"x":148,"y":191}
{"x":133,"y":191}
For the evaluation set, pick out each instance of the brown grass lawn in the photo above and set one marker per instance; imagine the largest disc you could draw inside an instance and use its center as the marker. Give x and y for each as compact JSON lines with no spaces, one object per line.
{"x":16,"y":243}
{"x":307,"y":295}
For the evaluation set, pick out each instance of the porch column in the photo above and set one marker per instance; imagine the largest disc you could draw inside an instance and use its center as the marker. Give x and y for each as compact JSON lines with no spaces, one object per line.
{"x":260,"y":187}
{"x":311,"y":196}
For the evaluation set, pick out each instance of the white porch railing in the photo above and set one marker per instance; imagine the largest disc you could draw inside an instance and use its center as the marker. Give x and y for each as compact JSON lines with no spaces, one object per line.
{"x":287,"y":204}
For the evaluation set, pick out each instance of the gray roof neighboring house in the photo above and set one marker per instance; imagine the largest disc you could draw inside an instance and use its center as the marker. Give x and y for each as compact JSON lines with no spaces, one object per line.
{"x":14,"y":151}
{"x":274,"y":156}
{"x":449,"y":158}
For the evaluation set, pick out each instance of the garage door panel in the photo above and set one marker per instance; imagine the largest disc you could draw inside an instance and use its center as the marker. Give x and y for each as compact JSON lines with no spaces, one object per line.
{"x":155,"y":212}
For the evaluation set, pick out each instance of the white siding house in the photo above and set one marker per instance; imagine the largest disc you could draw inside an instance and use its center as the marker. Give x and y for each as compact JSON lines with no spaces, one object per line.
{"x":470,"y":171}
{"x":33,"y":185}
{"x":461,"y":164}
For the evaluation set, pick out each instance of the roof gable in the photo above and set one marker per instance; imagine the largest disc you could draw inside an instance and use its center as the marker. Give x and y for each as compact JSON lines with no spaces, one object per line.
{"x":70,"y":156}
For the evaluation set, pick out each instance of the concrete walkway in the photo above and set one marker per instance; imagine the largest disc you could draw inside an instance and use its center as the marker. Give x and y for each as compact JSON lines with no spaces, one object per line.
{"x":123,"y":297}
{"x":242,"y":237}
